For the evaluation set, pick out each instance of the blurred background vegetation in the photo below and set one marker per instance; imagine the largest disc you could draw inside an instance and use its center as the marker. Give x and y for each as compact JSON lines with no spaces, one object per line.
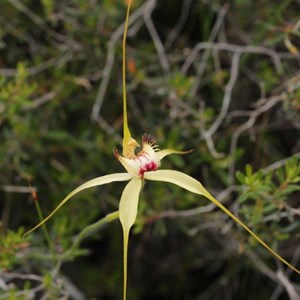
{"x":218,"y":77}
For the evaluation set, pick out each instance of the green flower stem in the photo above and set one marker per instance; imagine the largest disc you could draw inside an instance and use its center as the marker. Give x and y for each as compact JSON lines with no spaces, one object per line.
{"x":125,"y":254}
{"x":86,"y":232}
{"x":45,"y":230}
{"x":89,"y":230}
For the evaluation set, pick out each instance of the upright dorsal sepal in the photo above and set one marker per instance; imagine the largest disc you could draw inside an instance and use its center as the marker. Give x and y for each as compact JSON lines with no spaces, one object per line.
{"x":127,"y":140}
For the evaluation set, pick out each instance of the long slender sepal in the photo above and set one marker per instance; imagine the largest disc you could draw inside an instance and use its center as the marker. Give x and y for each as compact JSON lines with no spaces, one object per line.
{"x":194,"y":186}
{"x":126,"y":132}
{"x":127,"y":214}
{"x":91,"y":183}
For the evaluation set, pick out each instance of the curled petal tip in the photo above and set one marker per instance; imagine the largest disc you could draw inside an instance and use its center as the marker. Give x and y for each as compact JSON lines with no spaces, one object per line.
{"x":165,"y":152}
{"x":116,"y":153}
{"x":187,"y":151}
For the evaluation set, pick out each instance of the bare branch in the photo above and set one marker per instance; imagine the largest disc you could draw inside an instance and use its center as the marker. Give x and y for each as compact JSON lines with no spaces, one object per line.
{"x":226,"y":102}
{"x":40,"y":22}
{"x":56,"y":61}
{"x":184,"y":14}
{"x":195,"y":211}
{"x":280,"y":163}
{"x":17,"y":189}
{"x":268,"y":104}
{"x":276,"y":57}
{"x":290,"y":289}
{"x":202,"y":66}
{"x":40,"y":101}
{"x":108,"y":129}
{"x":155,"y":37}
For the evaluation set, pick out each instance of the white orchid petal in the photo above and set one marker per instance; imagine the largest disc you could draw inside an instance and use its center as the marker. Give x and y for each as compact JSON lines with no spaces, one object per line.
{"x":91,"y":183}
{"x":194,"y":186}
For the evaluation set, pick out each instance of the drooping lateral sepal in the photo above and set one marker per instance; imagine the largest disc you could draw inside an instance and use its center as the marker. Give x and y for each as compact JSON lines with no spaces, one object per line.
{"x":127,"y":214}
{"x":189,"y":183}
{"x":91,"y":183}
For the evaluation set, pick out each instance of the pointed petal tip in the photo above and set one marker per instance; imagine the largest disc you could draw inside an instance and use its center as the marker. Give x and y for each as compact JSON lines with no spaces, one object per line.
{"x":168,"y":151}
{"x":91,"y":183}
{"x":194,"y":186}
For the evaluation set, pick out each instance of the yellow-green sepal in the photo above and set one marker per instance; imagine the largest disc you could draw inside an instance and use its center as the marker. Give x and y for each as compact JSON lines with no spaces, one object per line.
{"x":127,"y":213}
{"x":91,"y":183}
{"x":194,"y":186}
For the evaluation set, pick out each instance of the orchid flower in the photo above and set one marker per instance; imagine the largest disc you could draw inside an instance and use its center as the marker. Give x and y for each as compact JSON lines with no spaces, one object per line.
{"x":142,"y":166}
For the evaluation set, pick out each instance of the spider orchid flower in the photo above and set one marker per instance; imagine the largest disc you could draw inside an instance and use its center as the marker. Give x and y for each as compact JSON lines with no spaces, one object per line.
{"x":144,"y":165}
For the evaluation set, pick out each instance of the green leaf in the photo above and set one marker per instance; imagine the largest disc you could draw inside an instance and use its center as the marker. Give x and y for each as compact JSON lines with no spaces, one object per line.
{"x":240,"y":177}
{"x":288,"y":190}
